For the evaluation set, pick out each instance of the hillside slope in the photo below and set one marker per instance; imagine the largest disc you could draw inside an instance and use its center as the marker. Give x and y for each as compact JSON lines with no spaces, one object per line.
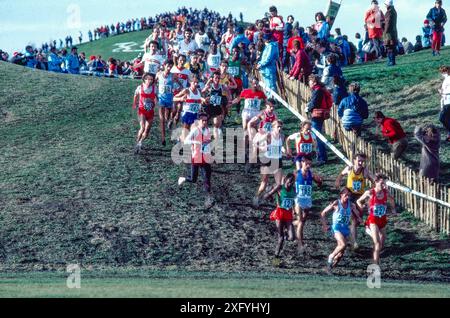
{"x":71,"y":190}
{"x":409,"y":93}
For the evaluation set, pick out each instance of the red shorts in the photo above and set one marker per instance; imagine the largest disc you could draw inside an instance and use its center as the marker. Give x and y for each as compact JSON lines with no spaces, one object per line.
{"x":281,"y":215}
{"x":380,"y":222}
{"x":149,"y":115}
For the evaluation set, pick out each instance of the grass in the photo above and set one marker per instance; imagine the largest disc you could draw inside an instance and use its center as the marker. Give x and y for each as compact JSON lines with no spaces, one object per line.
{"x":71,"y":191}
{"x":161,"y":284}
{"x":408,"y":93}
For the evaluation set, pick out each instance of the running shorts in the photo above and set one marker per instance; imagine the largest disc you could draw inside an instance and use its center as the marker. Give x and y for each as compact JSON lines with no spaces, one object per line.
{"x":380,"y":222}
{"x":304,"y":203}
{"x":166,"y":101}
{"x":280,"y":214}
{"x":149,"y":115}
{"x":343,"y":229}
{"x":188,"y":118}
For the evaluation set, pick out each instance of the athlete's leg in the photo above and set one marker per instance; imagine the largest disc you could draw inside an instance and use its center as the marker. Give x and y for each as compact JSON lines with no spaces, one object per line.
{"x":382,"y":237}
{"x":338,"y":252}
{"x":280,"y":232}
{"x":142,"y":122}
{"x":148,"y":126}
{"x":185,"y":132}
{"x":278,"y":177}
{"x":192,"y":174}
{"x":162,"y":122}
{"x":303,"y":215}
{"x":206,"y":175}
{"x":290,"y":230}
{"x":375,"y":233}
{"x":263,"y":185}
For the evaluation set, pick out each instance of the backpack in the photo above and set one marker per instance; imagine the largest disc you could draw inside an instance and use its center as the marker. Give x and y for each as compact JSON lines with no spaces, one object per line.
{"x":325,"y":106}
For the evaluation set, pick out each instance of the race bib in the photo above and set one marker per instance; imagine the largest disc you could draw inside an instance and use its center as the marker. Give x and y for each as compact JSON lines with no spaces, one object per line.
{"x":148,"y":104}
{"x":379,"y":210}
{"x":357,"y":186}
{"x":343,"y":219}
{"x":166,"y":89}
{"x":233,"y":70}
{"x":253,"y":104}
{"x":274,"y":152}
{"x":153,"y":68}
{"x":215,"y":61}
{"x":194,"y":108}
{"x":216,"y":100}
{"x":287,"y":204}
{"x":306,"y":148}
{"x":304,"y":191}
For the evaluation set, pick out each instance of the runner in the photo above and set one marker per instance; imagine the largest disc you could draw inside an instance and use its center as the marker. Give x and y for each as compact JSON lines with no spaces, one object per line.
{"x":283,"y":214}
{"x":305,"y":144}
{"x":152,"y":60}
{"x":181,"y":81}
{"x":357,"y":177}
{"x":343,"y":210}
{"x":271,"y":144}
{"x":227,"y":40}
{"x":177,"y":36}
{"x":226,"y":79}
{"x":265,"y":119}
{"x":192,"y":100}
{"x":234,"y":69}
{"x":303,"y":204}
{"x":165,"y":89}
{"x":213,"y":59}
{"x":146,"y":93}
{"x":200,"y":139}
{"x":376,"y":222}
{"x":217,"y":100}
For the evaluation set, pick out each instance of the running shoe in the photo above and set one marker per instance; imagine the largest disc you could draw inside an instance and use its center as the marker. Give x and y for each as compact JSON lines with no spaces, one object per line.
{"x":329,"y":265}
{"x":181,"y":180}
{"x":137,"y":149}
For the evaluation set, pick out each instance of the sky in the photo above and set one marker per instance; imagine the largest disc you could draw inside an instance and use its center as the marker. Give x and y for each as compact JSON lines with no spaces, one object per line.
{"x":25,"y":22}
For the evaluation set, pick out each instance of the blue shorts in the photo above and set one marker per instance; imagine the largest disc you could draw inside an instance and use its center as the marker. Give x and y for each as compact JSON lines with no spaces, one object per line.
{"x":304,"y":203}
{"x":166,"y":101}
{"x":343,"y":229}
{"x":188,"y":118}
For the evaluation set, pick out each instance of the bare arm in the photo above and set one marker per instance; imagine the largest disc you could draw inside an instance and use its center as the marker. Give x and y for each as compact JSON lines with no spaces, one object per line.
{"x":344,"y":172}
{"x":355,"y":213}
{"x":181,"y":96}
{"x":272,"y":192}
{"x":362,"y":200}
{"x":324,"y":213}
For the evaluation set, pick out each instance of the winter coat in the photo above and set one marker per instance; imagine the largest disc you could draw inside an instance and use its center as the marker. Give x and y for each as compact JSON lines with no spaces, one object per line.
{"x":374,"y":20}
{"x":438,"y":17}
{"x":329,"y":73}
{"x":429,"y":160}
{"x":390,"y":35}
{"x":352,"y":111}
{"x":269,"y":58}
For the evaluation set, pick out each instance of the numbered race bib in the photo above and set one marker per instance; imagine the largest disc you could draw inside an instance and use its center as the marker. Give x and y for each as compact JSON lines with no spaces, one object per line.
{"x":343,"y":219}
{"x":153,"y":68}
{"x":233,"y":70}
{"x":148,"y":104}
{"x":267,"y":127}
{"x":304,"y":191}
{"x":357,"y":186}
{"x":194,"y":108}
{"x":253,"y":104}
{"x":287,"y":204}
{"x":306,"y":148}
{"x":274,"y":152}
{"x":216,"y":100}
{"x":206,"y":148}
{"x":215,"y":61}
{"x":166,"y":89}
{"x":379,"y":210}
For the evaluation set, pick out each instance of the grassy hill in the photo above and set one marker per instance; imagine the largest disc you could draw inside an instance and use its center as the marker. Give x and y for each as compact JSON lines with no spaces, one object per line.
{"x":71,"y":191}
{"x":409,"y":93}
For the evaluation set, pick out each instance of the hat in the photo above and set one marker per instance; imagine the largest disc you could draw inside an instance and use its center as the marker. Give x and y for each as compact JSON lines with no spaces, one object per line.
{"x":239,"y":30}
{"x":389,"y":2}
{"x":426,"y":22}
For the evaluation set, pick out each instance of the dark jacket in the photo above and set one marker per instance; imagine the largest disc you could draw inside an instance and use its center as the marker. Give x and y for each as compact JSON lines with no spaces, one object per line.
{"x":429,"y":161}
{"x":439,"y":17}
{"x":316,"y":97}
{"x":353,"y":110}
{"x":390,"y":35}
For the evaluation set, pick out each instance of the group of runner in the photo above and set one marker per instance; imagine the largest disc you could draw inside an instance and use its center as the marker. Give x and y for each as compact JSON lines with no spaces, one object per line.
{"x":196,"y":86}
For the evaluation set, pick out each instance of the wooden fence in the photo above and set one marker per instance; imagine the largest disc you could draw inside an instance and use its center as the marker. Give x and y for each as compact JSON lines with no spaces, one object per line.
{"x":435,"y":215}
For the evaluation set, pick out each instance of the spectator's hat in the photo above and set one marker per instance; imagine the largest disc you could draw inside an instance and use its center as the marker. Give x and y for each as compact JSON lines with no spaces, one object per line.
{"x":426,"y":22}
{"x":389,"y":2}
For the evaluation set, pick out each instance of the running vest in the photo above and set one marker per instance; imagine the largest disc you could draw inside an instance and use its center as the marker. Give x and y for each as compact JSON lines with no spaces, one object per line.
{"x":213,"y":61}
{"x":266,"y":123}
{"x":342,"y":216}
{"x":165,"y":84}
{"x":356,"y":182}
{"x":252,"y":104}
{"x":201,"y":148}
{"x":182,"y":76}
{"x":378,"y":207}
{"x":286,"y":199}
{"x":234,"y":68}
{"x":304,"y":185}
{"x":216,"y":95}
{"x":274,"y":148}
{"x":193,"y":102}
{"x":147,"y":98}
{"x":304,"y":145}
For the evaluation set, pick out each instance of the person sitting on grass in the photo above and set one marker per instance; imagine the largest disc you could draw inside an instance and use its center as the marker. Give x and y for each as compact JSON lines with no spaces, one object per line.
{"x":353,"y":110}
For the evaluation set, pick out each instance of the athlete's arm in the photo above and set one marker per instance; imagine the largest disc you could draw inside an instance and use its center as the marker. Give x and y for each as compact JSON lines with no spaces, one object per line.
{"x":255,"y":119}
{"x":233,"y":84}
{"x":344,"y":172}
{"x":362,"y":200}
{"x":181,"y":96}
{"x":323,"y":215}
{"x":368,"y":175}
{"x":272,"y":192}
{"x":392,"y":203}
{"x":318,"y":179}
{"x":355,"y":213}
{"x":236,"y":100}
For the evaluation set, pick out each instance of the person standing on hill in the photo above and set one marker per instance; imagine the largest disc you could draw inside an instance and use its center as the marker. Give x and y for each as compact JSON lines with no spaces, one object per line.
{"x":444,"y":116}
{"x":391,"y":129}
{"x":430,"y":139}
{"x":277,"y":27}
{"x":302,"y":67}
{"x":437,"y":18}
{"x":374,"y":19}
{"x":268,"y":64}
{"x":390,"y":34}
{"x":427,"y":33}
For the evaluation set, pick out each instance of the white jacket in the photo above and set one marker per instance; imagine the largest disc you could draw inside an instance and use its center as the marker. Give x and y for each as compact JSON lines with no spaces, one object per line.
{"x":445,"y":100}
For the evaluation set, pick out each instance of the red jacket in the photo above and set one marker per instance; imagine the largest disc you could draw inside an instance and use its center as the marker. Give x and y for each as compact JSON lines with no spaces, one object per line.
{"x":302,"y":67}
{"x":290,"y":44}
{"x":392,"y":130}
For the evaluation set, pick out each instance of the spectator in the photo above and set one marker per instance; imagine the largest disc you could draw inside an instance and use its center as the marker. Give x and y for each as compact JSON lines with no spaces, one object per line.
{"x":90,"y":35}
{"x":374,"y":20}
{"x":276,"y":25}
{"x":267,"y":66}
{"x":359,"y":52}
{"x":418,"y":46}
{"x":30,"y":57}
{"x":391,"y":129}
{"x":353,"y":110}
{"x":322,"y":27}
{"x":73,"y":62}
{"x":407,"y":46}
{"x":331,"y":71}
{"x":112,"y":67}
{"x":302,"y":67}
{"x":437,"y":18}
{"x":320,"y":100}
{"x":83,"y":63}
{"x":41,"y":62}
{"x":427,"y":33}
{"x":339,"y":89}
{"x":390,"y":32}
{"x":288,"y":33}
{"x":430,"y":139}
{"x":240,"y":38}
{"x":344,"y":46}
{"x":444,"y":116}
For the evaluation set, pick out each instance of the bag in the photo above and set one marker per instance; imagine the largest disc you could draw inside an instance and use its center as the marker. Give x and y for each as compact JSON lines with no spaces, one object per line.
{"x":326,"y":104}
{"x":368,"y":48}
